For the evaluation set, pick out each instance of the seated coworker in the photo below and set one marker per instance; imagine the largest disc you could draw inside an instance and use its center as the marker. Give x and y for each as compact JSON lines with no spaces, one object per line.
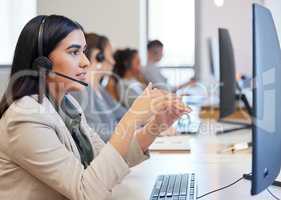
{"x":101,"y":110}
{"x":126,"y":72}
{"x":47,"y":149}
{"x":151,"y":71}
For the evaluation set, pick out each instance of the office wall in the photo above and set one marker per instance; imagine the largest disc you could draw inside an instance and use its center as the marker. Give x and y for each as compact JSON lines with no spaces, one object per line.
{"x":124,"y":23}
{"x":121,"y":20}
{"x":236,"y":16}
{"x":275,"y":7}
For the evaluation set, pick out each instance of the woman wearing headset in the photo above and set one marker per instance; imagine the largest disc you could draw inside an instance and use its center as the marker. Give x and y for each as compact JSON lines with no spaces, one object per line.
{"x":127,"y":69}
{"x":102,"y":112}
{"x":47,"y":150}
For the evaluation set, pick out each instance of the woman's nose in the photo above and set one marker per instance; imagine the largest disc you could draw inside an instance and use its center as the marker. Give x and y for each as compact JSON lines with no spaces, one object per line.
{"x":84,"y":61}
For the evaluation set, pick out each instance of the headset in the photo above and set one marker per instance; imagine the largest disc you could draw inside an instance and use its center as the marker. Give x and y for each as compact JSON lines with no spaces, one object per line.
{"x":100,"y":57}
{"x":45,"y":65}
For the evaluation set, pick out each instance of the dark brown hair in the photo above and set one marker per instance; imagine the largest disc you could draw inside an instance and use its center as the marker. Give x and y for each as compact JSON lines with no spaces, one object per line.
{"x":123,"y":59}
{"x":154,"y":44}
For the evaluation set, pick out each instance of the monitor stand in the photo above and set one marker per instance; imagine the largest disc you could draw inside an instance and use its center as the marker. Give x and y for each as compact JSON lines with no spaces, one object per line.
{"x":249,"y":177}
{"x":243,"y":126}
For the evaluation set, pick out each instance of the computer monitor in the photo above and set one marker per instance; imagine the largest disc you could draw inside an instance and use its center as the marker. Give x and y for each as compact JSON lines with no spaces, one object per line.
{"x":214,"y":56}
{"x":230,"y":91}
{"x":227,"y":75}
{"x":266,"y":101}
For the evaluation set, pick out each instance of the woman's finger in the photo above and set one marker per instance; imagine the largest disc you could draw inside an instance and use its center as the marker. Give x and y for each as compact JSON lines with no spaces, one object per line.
{"x":148,"y":89}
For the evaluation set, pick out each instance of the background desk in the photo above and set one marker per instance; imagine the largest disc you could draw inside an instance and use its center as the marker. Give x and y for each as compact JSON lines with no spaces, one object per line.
{"x":213,"y":169}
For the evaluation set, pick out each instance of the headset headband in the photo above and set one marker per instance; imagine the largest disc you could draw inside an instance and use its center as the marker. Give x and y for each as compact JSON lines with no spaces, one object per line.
{"x":40,"y":37}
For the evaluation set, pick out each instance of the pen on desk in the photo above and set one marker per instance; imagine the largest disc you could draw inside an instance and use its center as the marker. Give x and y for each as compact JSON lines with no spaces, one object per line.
{"x":237,"y":147}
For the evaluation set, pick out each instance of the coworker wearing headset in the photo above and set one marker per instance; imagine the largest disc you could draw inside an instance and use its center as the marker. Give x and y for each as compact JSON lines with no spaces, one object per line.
{"x":126,"y":72}
{"x":47,"y":149}
{"x":101,"y":110}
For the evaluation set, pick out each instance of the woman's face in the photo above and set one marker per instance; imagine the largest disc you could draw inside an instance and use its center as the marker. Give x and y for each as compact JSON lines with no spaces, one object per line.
{"x":136,"y":65}
{"x":68,"y":58}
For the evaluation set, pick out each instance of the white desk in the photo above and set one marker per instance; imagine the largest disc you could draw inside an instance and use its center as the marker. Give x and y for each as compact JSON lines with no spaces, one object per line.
{"x":213,"y":170}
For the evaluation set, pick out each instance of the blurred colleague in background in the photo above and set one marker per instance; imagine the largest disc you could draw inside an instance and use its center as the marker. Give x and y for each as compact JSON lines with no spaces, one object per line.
{"x":152,"y":73}
{"x":126,"y":71}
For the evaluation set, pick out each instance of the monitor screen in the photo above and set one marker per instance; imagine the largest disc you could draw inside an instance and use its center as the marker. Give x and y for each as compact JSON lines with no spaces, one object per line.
{"x":227,"y":74}
{"x":266,"y":100}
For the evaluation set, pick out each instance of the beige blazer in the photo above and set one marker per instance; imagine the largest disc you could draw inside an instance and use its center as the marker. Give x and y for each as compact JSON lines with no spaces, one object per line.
{"x":39,"y":159}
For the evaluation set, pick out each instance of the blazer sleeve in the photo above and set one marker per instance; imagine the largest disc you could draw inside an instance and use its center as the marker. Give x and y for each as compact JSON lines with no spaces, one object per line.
{"x":135,"y":155}
{"x":36,"y":148}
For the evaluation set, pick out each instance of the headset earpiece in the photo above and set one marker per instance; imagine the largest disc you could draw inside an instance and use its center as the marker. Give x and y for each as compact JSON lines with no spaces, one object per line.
{"x":99,"y":65}
{"x":127,"y":65}
{"x":100,"y":57}
{"x":43,"y":62}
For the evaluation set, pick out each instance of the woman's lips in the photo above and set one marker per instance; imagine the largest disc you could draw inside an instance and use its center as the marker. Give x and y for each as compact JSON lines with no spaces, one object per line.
{"x":81,"y":76}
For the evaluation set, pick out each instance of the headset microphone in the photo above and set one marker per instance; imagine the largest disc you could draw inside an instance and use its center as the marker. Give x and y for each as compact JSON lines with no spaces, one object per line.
{"x":99,"y":66}
{"x":70,"y":78}
{"x":46,"y":64}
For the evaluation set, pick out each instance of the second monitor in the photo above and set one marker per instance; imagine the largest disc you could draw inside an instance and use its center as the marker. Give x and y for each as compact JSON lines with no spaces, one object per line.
{"x":230,"y":91}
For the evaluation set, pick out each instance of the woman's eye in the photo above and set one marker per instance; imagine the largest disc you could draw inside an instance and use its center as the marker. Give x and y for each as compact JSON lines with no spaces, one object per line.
{"x":75,"y":53}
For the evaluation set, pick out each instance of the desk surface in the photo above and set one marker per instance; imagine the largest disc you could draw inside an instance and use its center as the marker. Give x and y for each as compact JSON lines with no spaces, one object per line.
{"x":213,"y":169}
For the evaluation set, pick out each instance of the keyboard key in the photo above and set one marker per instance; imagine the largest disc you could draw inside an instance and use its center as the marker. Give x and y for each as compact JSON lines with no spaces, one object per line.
{"x":171,"y":186}
{"x":156,"y":190}
{"x":175,"y":198}
{"x":184,"y":184}
{"x":164,"y":186}
{"x":157,"y":186}
{"x":176,"y":191}
{"x":182,"y":198}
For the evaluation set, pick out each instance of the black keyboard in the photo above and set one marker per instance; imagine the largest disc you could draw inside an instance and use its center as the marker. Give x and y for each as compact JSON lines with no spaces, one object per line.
{"x":175,"y":187}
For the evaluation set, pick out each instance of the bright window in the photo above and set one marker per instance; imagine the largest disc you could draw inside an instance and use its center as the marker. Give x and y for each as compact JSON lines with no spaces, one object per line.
{"x":14,"y":14}
{"x":173,"y":23}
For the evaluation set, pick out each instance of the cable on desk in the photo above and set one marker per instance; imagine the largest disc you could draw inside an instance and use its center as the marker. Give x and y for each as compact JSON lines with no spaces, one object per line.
{"x":225,"y":187}
{"x":240,"y":179}
{"x":273,"y":195}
